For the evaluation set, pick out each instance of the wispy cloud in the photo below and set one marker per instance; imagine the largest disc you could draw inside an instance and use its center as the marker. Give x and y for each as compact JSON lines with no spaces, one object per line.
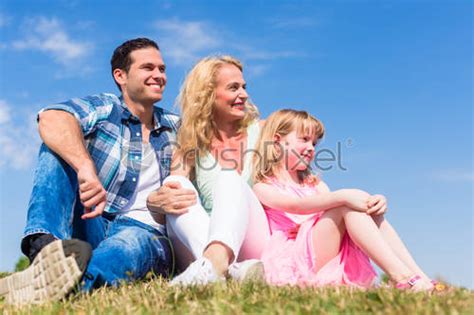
{"x":454,"y":175}
{"x":18,"y":140}
{"x":185,"y":41}
{"x":256,"y":70}
{"x":5,"y":115}
{"x":49,"y":36}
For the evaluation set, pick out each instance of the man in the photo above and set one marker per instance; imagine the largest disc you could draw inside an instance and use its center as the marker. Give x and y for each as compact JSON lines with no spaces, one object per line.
{"x":102,"y":155}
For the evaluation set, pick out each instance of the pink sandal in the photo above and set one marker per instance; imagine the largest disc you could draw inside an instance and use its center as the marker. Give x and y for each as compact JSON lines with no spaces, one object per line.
{"x":409,"y":284}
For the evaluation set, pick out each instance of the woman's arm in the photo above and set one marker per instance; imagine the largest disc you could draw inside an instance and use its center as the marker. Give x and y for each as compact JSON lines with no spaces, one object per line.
{"x":181,"y":165}
{"x":272,"y":197}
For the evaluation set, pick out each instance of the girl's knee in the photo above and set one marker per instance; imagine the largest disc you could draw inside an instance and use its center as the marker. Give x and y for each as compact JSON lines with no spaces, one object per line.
{"x":338,"y":212}
{"x":335,"y":214}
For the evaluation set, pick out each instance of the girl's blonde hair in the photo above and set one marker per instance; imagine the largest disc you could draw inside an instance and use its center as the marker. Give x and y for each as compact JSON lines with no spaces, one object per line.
{"x":196,"y":100}
{"x":268,"y":157}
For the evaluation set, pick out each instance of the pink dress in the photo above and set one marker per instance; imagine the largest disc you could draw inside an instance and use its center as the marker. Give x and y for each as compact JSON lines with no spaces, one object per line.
{"x":289,"y":260}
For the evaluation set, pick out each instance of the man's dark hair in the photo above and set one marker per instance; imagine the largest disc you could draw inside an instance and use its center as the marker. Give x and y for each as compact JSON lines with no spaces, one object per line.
{"x":121,"y":58}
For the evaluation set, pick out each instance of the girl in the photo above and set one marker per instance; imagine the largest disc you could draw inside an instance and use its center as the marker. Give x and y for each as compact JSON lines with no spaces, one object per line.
{"x":321,"y":237}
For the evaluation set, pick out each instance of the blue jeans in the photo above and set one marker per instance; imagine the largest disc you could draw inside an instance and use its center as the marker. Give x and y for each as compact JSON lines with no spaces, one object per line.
{"x":123,"y":249}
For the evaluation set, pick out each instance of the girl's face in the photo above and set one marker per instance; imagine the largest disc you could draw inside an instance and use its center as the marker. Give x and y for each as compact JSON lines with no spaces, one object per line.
{"x":298,"y":151}
{"x":231,"y":95}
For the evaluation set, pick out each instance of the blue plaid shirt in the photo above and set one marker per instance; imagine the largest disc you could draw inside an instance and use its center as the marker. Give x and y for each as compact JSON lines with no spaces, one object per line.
{"x":114,"y":140}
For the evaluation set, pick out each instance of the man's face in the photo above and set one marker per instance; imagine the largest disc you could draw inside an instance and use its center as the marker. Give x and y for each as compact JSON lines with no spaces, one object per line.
{"x":146,"y":79}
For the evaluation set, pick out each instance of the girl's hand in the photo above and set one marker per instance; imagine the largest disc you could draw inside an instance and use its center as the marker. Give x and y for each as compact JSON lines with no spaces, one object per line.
{"x":377,"y":205}
{"x":356,"y":199}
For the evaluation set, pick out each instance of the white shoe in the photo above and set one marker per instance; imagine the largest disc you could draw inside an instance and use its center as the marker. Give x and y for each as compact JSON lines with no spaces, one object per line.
{"x":248,"y":270}
{"x":200,"y":272}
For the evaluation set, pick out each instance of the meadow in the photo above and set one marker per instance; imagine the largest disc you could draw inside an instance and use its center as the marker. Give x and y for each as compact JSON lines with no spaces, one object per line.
{"x":154,"y":295}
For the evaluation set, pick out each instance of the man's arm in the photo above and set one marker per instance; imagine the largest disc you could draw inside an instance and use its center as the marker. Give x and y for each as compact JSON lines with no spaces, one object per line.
{"x":61,"y":132}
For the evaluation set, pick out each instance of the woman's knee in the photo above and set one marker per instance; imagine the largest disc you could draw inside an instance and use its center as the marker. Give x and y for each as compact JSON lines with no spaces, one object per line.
{"x":228,"y":180}
{"x":184,"y":181}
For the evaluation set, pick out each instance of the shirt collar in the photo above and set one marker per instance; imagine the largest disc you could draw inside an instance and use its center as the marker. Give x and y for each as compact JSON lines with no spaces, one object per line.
{"x":159,"y":121}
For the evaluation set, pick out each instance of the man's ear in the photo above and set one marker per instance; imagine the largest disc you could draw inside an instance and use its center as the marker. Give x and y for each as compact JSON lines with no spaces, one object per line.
{"x":120,"y":76}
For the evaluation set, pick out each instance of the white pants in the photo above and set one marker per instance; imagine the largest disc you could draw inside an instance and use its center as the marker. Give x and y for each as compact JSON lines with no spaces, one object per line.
{"x":237,"y":220}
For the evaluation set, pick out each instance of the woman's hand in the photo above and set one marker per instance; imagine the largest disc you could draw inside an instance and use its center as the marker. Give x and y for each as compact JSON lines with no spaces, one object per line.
{"x":171,"y":198}
{"x":377,"y":205}
{"x":356,"y":199}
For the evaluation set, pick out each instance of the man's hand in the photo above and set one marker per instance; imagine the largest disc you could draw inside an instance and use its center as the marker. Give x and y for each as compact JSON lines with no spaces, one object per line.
{"x":377,"y":205}
{"x":171,"y":198}
{"x":91,"y":192}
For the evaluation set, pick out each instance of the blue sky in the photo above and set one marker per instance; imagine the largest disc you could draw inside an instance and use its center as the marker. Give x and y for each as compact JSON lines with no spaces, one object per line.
{"x":391,"y":81}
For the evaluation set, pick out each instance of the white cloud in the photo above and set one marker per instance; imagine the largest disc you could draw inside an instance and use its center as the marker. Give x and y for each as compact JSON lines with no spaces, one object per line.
{"x":184,"y":42}
{"x":255,"y":70}
{"x":454,"y":175}
{"x":48,"y":35}
{"x":19,"y":140}
{"x":5,"y":116}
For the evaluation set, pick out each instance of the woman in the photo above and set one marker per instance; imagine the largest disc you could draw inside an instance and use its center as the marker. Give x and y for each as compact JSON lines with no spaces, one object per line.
{"x":218,"y":132}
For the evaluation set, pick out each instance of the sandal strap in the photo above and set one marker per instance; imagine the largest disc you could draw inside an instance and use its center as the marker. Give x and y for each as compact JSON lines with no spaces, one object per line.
{"x":414,"y":280}
{"x":406,"y":285}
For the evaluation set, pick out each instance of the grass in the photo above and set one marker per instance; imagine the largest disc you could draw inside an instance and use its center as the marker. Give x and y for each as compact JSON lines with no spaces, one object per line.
{"x":154,"y":296}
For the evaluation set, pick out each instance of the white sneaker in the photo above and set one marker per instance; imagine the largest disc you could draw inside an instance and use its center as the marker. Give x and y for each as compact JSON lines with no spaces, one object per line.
{"x":200,"y":272}
{"x":248,"y":270}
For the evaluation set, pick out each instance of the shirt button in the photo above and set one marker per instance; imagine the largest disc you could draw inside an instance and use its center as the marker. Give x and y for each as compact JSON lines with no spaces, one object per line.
{"x":123,"y":202}
{"x":134,"y":179}
{"x":138,"y":134}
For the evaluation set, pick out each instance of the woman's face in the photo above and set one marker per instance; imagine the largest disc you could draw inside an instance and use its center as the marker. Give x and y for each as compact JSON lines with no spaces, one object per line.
{"x":231,"y":95}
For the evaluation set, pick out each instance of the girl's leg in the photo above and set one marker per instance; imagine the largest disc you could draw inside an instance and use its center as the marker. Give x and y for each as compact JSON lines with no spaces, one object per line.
{"x":188,"y":232}
{"x":327,"y":236}
{"x":365,"y":233}
{"x":394,"y":241}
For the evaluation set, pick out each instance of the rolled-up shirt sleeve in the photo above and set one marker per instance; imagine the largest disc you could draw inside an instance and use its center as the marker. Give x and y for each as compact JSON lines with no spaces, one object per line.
{"x":88,"y":111}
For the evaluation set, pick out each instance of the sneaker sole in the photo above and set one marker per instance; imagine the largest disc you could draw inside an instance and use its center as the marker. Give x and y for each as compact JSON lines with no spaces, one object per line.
{"x":52,"y":275}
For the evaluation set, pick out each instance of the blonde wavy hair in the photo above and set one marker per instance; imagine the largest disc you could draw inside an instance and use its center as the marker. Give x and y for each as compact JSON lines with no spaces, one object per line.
{"x":268,"y":156}
{"x":196,"y":101}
